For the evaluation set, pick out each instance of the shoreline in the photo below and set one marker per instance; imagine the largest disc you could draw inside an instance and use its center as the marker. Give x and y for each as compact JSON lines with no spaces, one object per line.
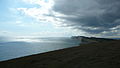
{"x":93,"y":55}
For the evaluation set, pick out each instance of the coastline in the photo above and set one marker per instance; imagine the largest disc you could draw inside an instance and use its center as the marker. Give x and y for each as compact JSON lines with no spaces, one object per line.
{"x":92,"y":55}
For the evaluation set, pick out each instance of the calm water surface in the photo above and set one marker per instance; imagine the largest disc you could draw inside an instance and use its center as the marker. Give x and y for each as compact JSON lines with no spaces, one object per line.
{"x":15,"y":49}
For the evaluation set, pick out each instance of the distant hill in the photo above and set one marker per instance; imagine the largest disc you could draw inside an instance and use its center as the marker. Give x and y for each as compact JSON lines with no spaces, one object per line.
{"x":84,"y":39}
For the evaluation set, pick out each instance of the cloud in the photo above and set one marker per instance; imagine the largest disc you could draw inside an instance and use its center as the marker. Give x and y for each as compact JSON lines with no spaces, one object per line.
{"x":85,"y":17}
{"x":41,"y":11}
{"x":91,"y":16}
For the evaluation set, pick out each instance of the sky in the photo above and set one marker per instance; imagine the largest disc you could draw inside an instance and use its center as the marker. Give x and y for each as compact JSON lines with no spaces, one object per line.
{"x":60,"y":18}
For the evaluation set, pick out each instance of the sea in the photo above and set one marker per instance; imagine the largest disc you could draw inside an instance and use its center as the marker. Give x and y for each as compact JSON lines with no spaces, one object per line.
{"x":20,"y":47}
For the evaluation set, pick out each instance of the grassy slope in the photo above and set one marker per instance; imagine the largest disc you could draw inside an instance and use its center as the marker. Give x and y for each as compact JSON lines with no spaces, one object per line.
{"x":94,"y":55}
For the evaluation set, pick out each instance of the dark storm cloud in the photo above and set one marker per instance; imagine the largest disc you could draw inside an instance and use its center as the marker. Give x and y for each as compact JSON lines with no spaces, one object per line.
{"x":92,"y":16}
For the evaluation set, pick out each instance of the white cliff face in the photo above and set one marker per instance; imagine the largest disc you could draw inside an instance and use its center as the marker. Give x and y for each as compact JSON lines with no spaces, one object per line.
{"x":86,"y":40}
{"x":83,"y":40}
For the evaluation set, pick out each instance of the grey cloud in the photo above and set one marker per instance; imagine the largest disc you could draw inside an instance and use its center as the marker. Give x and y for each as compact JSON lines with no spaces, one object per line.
{"x":100,"y":14}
